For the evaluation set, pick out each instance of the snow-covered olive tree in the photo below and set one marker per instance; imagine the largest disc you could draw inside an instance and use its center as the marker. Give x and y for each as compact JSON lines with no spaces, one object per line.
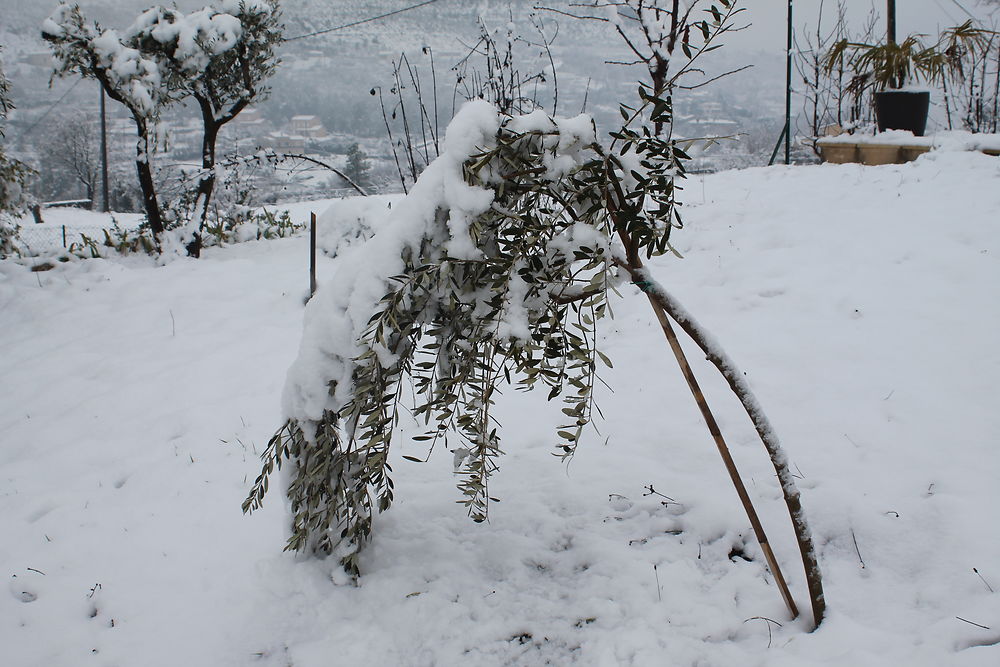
{"x":83,"y":48}
{"x":221,"y":59}
{"x":493,"y":272}
{"x":218,"y":57}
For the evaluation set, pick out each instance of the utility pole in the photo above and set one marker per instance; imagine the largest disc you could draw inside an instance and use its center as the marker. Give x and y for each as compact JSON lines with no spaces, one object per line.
{"x":788,"y":88}
{"x":106,"y":203}
{"x":891,"y":16}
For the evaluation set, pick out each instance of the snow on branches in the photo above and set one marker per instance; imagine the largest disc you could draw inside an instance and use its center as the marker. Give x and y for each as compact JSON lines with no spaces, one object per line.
{"x":493,"y":271}
{"x":222,"y":56}
{"x":193,"y":39}
{"x":84,"y":48}
{"x":144,"y":64}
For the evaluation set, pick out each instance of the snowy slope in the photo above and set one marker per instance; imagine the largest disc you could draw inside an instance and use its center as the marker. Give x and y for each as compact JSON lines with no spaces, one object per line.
{"x":861,"y":302}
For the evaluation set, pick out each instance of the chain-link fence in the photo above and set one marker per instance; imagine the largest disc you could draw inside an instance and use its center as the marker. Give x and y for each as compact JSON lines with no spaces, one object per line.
{"x":48,"y":238}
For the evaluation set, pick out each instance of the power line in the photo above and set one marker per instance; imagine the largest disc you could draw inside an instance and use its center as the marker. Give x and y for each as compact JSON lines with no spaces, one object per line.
{"x":957,"y":4}
{"x":962,"y":7}
{"x":367,"y":20}
{"x":49,"y":110}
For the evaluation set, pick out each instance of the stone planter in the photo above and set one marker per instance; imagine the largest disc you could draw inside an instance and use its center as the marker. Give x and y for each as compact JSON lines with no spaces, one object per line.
{"x":877,"y":154}
{"x":839,"y":153}
{"x":911,"y":153}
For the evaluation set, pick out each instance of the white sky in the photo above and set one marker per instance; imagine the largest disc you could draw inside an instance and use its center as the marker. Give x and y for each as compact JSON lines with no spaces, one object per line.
{"x":768,"y":17}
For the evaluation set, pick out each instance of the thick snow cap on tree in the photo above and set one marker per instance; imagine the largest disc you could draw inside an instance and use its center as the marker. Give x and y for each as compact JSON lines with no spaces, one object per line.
{"x":441,"y":205}
{"x":54,"y":25}
{"x":204,"y":33}
{"x":196,"y":36}
{"x":339,"y":312}
{"x":137,"y":78}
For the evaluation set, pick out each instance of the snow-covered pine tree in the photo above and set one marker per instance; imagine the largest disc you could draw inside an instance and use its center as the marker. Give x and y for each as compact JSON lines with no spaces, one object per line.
{"x":357,"y":167}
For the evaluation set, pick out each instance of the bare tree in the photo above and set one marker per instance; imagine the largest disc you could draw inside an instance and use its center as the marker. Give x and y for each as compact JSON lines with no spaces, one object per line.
{"x":70,"y":154}
{"x":491,"y":70}
{"x":822,"y":93}
{"x":831,"y":95}
{"x":668,"y":38}
{"x":972,"y":80}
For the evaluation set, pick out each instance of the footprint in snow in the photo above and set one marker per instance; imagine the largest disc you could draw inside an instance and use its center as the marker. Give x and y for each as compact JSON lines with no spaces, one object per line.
{"x":619,"y":503}
{"x":40,"y":513}
{"x":27,"y":587}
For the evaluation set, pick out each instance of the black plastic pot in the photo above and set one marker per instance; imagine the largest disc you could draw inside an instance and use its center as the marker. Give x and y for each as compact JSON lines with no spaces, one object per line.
{"x":902,"y":110}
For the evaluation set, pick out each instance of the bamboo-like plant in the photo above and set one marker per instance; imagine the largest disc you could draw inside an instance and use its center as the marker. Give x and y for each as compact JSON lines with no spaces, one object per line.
{"x":888,"y":66}
{"x":958,"y":62}
{"x":892,"y":65}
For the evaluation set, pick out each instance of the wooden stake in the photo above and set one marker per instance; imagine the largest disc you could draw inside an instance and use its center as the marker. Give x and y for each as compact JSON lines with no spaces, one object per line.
{"x":727,"y":458}
{"x":768,"y":437}
{"x":663,"y":304}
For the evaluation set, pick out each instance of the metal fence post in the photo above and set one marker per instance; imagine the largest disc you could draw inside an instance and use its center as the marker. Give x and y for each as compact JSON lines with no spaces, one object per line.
{"x":788,"y":89}
{"x":312,"y":254}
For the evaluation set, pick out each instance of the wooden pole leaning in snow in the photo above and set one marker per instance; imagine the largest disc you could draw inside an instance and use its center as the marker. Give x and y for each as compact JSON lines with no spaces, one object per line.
{"x":630,"y":260}
{"x":664,"y":304}
{"x":312,"y":254}
{"x":734,"y":475}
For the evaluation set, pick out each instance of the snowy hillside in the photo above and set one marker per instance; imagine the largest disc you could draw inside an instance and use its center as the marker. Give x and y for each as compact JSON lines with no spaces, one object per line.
{"x":861,"y":302}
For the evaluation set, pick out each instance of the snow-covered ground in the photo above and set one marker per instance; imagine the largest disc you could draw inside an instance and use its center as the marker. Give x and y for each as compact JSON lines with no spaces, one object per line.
{"x":861,"y":302}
